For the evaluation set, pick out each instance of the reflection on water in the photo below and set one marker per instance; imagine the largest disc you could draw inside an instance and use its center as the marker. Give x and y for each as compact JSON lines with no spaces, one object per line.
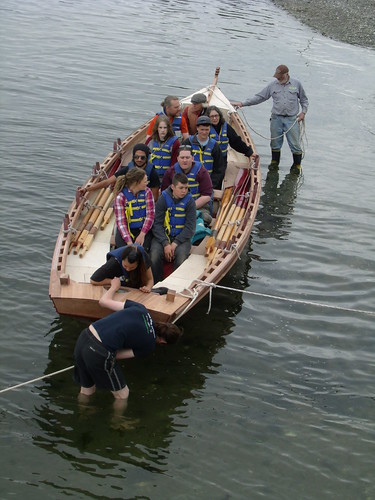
{"x":277,"y":204}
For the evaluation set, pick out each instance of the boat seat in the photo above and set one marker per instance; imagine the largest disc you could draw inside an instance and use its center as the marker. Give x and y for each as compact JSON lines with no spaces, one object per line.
{"x":183,"y":276}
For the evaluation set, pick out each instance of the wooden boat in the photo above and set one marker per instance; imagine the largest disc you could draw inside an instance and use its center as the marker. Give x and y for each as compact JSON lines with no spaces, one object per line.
{"x":87,"y":232}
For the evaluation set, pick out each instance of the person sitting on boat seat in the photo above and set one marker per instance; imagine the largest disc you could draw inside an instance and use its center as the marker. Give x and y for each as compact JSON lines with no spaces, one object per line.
{"x":131,"y":264}
{"x":174,"y":226}
{"x":130,"y":332}
{"x":207,"y":151}
{"x":194,"y":110}
{"x":141,"y":154}
{"x":164,"y":146}
{"x":171,"y":109}
{"x":134,"y":209}
{"x":225,"y":135}
{"x":199,"y":180}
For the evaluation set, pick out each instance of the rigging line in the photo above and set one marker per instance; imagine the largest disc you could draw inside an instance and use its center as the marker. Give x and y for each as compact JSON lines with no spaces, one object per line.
{"x":278,"y":297}
{"x":36,"y":379}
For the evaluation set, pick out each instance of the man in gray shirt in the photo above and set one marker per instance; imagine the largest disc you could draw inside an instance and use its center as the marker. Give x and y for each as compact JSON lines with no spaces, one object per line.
{"x":288,"y":96}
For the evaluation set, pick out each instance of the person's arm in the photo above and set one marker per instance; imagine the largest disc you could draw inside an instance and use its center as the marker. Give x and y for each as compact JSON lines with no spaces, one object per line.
{"x":149,"y":219}
{"x":121,"y":222}
{"x":167,"y":178}
{"x":108,"y":301}
{"x":261,"y":96}
{"x":98,"y":185}
{"x":190,"y":224}
{"x":146,"y":288}
{"x":174,"y":152}
{"x":304,"y":102}
{"x":205,"y":188}
{"x":158,"y":229}
{"x":218,"y":168}
{"x":184,"y":129}
{"x":124,"y":354}
{"x":237,"y":143}
{"x":104,"y":274}
{"x":150,"y":127}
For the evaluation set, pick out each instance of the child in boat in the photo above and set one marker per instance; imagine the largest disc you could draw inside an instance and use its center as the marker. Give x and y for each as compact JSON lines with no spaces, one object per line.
{"x":174,"y":226}
{"x":131,"y":264}
{"x":134,"y":209}
{"x":164,"y":145}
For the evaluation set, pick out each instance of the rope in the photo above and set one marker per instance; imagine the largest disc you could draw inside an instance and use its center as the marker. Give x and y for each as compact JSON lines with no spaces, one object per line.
{"x":278,"y":297}
{"x":36,"y":379}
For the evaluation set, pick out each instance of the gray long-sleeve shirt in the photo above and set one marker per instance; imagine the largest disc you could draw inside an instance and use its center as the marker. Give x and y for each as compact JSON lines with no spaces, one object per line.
{"x":286,"y":97}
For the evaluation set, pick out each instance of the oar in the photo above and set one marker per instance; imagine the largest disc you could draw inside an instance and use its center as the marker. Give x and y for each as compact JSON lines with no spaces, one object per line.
{"x":85,"y":220}
{"x":90,"y":237}
{"x":224,"y":203}
{"x":213,"y":85}
{"x":226,"y":215}
{"x":94,"y":215}
{"x":240,"y":220}
{"x":234,"y":216}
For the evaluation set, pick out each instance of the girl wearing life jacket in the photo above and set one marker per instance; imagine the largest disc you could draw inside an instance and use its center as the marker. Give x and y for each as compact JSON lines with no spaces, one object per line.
{"x":131,"y":264}
{"x":225,"y":135}
{"x":134,"y":209}
{"x":163,"y":145}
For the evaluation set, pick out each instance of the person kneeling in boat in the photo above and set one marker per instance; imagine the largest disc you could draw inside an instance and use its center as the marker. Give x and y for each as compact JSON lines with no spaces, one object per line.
{"x":164,"y":146}
{"x":225,"y":135}
{"x":134,"y":209}
{"x":199,"y":181}
{"x":131,"y":264}
{"x":130,"y":332}
{"x":141,"y":154}
{"x":174,"y":226}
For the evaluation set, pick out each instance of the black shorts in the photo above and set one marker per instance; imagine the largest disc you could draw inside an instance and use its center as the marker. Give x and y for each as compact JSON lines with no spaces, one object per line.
{"x":95,"y":365}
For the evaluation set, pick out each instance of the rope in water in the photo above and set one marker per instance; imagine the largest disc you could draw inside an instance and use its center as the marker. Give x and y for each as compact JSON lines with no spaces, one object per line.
{"x":278,"y":297}
{"x":37,"y":379}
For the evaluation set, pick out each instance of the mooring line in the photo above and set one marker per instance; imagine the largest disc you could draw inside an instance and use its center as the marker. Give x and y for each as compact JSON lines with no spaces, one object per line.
{"x":278,"y":297}
{"x":36,"y":379}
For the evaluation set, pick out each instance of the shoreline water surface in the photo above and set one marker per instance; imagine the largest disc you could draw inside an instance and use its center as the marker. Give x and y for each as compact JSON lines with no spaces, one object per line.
{"x":350,"y":21}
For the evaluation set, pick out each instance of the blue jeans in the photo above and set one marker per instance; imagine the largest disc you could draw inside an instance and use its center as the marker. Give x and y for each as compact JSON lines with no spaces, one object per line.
{"x":157,"y":257}
{"x":279,"y":125}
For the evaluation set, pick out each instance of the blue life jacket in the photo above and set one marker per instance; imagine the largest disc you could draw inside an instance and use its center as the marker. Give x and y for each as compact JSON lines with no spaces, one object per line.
{"x":147,"y":169}
{"x":176,"y":124}
{"x":193,"y":184}
{"x":203,"y":156}
{"x":161,"y":155}
{"x":221,"y":138}
{"x":175,"y":215}
{"x":135,"y":208}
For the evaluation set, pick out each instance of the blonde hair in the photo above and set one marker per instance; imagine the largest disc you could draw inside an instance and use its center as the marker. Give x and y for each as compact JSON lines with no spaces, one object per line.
{"x":133,"y":176}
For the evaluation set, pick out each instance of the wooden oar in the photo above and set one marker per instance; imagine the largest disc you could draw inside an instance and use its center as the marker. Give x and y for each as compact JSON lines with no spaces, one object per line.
{"x":90,"y":237}
{"x":213,"y":85}
{"x":85,"y":220}
{"x":219,"y":218}
{"x":234,"y":216}
{"x":240,"y":220}
{"x":94,"y":215}
{"x":227,"y":214}
{"x":225,"y":206}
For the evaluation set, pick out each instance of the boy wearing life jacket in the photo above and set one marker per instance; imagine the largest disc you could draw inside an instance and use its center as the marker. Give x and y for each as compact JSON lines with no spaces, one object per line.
{"x":174,"y":226}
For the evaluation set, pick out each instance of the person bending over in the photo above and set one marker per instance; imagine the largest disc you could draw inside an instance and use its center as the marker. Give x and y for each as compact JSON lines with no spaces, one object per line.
{"x":131,"y":264}
{"x":130,"y":332}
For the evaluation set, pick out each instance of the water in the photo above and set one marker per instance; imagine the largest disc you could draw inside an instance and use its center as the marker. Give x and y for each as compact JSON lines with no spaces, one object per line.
{"x":263,"y":398}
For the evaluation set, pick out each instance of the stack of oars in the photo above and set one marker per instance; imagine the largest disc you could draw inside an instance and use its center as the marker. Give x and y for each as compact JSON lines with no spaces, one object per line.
{"x":224,"y":222}
{"x":99,"y":207}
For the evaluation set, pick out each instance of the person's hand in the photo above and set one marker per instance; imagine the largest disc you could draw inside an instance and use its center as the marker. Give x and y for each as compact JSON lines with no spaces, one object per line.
{"x":237,"y":104}
{"x":115,"y":284}
{"x":145,"y":289}
{"x":168,"y":253}
{"x":301,"y":117}
{"x":140,"y":239}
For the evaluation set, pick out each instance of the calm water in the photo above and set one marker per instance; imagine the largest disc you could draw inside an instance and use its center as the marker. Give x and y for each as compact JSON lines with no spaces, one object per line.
{"x":263,"y":398}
